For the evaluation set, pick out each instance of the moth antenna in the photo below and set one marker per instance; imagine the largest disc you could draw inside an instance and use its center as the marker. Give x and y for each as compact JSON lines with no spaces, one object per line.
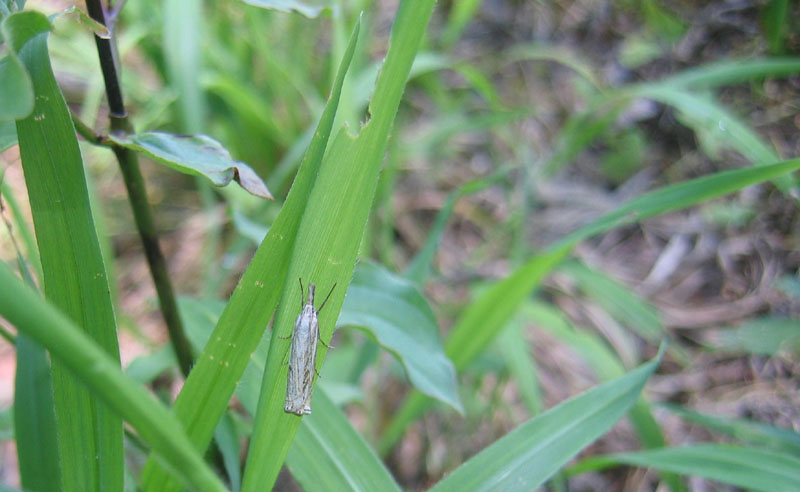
{"x":326,"y":299}
{"x":302,"y":298}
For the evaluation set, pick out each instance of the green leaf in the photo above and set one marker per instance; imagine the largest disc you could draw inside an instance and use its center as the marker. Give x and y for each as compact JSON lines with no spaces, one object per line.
{"x":618,"y":300}
{"x":89,"y":434}
{"x":328,"y":239}
{"x":145,"y":368}
{"x":522,"y":366}
{"x":183,"y":42}
{"x":329,"y":455}
{"x":35,"y":419}
{"x":246,"y":315}
{"x":530,"y":454}
{"x":749,"y":468}
{"x":775,"y":20}
{"x":766,"y":335}
{"x":712,"y":75}
{"x":399,"y":318}
{"x":764,"y":435}
{"x":306,"y":8}
{"x":100,"y":373}
{"x":557,"y":54}
{"x":477,"y":326}
{"x":197,"y":155}
{"x":227,"y":440}
{"x":16,"y":87}
{"x":682,"y":195}
{"x":16,"y":94}
{"x":715,"y":123}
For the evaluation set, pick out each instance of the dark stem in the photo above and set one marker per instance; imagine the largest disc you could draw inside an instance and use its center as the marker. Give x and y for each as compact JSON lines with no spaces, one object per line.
{"x":137,"y":195}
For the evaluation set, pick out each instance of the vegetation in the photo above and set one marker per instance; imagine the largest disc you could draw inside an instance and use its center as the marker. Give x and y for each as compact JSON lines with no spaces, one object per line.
{"x":570,"y":263}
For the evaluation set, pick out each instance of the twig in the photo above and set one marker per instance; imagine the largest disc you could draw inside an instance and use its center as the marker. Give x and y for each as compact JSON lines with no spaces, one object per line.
{"x":137,"y":195}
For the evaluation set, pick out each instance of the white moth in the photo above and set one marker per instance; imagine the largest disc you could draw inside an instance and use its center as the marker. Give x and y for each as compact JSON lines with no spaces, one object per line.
{"x":303,"y":355}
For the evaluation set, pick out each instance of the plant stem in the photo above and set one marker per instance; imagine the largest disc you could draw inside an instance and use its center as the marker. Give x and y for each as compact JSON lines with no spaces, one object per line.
{"x":137,"y":195}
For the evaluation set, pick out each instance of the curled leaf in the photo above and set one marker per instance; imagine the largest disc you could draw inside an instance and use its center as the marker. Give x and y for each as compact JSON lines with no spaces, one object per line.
{"x":199,"y":155}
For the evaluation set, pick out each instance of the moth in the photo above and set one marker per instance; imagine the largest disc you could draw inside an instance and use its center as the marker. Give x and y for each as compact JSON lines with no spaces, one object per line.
{"x":303,"y":354}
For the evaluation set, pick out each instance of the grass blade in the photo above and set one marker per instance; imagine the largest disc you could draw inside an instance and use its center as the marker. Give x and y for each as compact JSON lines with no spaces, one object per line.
{"x":89,"y":434}
{"x":35,"y":419}
{"x":329,"y":237}
{"x":313,"y":458}
{"x":529,"y":455}
{"x":329,"y":455}
{"x":100,"y":374}
{"x":776,"y":438}
{"x":208,"y":389}
{"x":749,"y":468}
{"x":485,"y":316}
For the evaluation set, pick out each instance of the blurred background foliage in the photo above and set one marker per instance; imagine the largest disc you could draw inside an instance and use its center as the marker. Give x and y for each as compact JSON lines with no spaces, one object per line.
{"x":522,"y":121}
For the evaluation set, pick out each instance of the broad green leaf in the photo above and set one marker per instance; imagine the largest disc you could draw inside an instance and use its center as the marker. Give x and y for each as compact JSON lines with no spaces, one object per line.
{"x":16,"y":87}
{"x":749,"y":468}
{"x":536,"y":450}
{"x":89,"y":434}
{"x":329,"y":236}
{"x":309,"y":9}
{"x":145,"y":368}
{"x":393,"y":312}
{"x":766,"y":335}
{"x":100,"y":373}
{"x":208,"y":389}
{"x":764,"y":435}
{"x":477,"y":326}
{"x":198,"y":155}
{"x":16,"y":90}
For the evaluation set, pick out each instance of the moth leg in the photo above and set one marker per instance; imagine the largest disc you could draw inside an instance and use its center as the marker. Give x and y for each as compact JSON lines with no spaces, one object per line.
{"x":286,"y":357}
{"x":323,"y":343}
{"x":317,"y":372}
